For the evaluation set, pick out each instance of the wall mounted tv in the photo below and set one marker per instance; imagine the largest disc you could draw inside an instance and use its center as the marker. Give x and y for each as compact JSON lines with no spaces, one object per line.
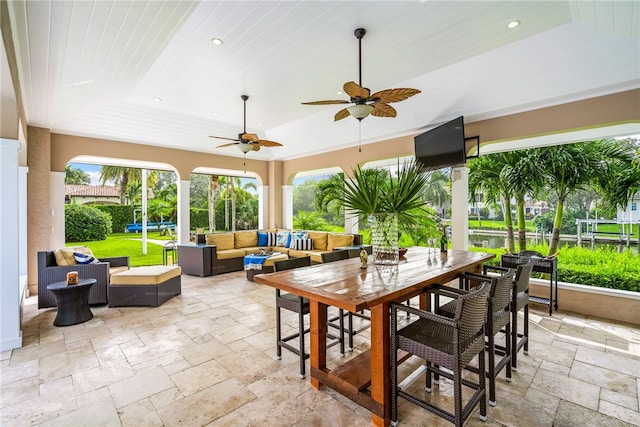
{"x":443,"y":146}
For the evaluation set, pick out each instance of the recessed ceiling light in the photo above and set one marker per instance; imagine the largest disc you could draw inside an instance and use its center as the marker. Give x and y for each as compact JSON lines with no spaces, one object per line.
{"x":215,"y":113}
{"x":157,"y":99}
{"x":81,"y":83}
{"x":513,"y":24}
{"x":260,"y":123}
{"x":216,"y":41}
{"x":339,"y":92}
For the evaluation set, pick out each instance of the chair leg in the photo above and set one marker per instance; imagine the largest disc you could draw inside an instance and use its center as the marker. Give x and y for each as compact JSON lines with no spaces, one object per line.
{"x":514,"y":338}
{"x":526,"y":329}
{"x":341,"y":333}
{"x":278,"y":334}
{"x":457,"y":395}
{"x":301,"y":336}
{"x":492,"y":367}
{"x":483,"y":386}
{"x":350,"y":331}
{"x":507,"y":346}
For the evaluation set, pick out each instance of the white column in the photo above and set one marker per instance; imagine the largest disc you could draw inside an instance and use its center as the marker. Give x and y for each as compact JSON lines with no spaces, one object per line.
{"x":10,"y":296}
{"x":22,"y":229}
{"x":145,"y":218}
{"x":184,"y":219}
{"x":460,"y":208}
{"x":287,"y":206}
{"x":350,"y":222}
{"x":263,"y":206}
{"x":56,"y":200}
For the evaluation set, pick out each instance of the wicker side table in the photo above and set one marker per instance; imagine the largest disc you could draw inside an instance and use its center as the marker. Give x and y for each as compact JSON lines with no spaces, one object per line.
{"x":72,"y":301}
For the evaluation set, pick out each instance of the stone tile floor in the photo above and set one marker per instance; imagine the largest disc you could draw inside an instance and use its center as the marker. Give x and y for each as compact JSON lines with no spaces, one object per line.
{"x":207,"y":358}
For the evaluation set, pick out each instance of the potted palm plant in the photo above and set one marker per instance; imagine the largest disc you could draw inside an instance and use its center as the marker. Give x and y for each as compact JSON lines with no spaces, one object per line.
{"x":390,"y":202}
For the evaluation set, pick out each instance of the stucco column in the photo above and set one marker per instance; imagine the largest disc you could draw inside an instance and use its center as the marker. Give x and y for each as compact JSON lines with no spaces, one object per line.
{"x":350,"y":221}
{"x":184,"y":219}
{"x":22,"y":220}
{"x":460,"y":208}
{"x":56,"y":196}
{"x":287,"y":206}
{"x":10,"y":297}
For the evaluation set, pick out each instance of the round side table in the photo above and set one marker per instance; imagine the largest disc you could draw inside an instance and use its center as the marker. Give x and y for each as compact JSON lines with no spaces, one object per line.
{"x":72,"y":301}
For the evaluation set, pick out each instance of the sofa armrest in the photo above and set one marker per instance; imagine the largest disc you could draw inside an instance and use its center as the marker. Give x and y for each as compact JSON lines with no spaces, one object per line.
{"x":118,"y":261}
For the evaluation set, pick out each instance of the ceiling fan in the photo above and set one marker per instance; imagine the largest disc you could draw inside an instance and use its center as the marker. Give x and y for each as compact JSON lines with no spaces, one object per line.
{"x":365,"y":103}
{"x":247,"y":141}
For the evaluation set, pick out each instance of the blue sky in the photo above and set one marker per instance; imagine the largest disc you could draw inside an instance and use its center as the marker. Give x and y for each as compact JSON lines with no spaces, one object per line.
{"x":92,"y":170}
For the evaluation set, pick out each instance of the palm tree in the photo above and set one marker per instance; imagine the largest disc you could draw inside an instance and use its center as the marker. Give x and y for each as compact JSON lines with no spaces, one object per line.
{"x":438,"y":188}
{"x":523,"y":175}
{"x":123,"y":176}
{"x":213,"y":191}
{"x":570,"y":167}
{"x":485,"y":177}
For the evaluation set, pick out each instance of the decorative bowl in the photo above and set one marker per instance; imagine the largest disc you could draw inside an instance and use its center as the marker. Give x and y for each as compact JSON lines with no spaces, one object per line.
{"x":402,"y":251}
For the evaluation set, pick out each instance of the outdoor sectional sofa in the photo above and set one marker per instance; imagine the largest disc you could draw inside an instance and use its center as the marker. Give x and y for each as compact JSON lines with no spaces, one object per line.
{"x":229,"y":249}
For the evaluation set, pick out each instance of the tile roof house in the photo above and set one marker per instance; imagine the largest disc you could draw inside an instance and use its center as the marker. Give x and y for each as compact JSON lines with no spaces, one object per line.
{"x":91,"y":194}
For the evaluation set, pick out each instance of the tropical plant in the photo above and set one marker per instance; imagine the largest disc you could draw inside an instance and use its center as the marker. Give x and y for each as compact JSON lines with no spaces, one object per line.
{"x":123,"y":176}
{"x":309,"y":221}
{"x":76,"y":176}
{"x":371,"y":191}
{"x":485,"y":178}
{"x":567,"y":168}
{"x":438,"y":188}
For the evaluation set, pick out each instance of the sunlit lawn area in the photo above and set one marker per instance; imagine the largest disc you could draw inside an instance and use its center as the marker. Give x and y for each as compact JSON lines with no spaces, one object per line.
{"x":127,"y":244}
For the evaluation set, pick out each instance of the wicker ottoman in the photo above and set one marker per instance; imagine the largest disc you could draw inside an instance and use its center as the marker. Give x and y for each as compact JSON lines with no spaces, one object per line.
{"x":149,"y":286}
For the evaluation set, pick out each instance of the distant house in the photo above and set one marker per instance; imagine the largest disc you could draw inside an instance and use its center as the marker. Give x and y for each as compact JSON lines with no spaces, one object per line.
{"x":632,"y":211}
{"x":91,"y":194}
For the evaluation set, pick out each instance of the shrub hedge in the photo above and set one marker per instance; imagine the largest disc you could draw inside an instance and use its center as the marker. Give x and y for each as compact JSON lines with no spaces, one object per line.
{"x":603,"y":267}
{"x":84,"y":223}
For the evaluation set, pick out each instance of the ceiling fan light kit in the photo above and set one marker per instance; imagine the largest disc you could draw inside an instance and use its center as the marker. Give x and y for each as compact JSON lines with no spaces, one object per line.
{"x":366,"y":104}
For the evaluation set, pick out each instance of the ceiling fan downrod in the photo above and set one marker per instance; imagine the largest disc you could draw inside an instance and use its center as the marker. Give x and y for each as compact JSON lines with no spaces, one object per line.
{"x":359,"y":33}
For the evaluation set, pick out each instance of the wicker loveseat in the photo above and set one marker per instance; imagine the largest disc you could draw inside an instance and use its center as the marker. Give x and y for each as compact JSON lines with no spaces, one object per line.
{"x":49,"y":271}
{"x":229,"y":249}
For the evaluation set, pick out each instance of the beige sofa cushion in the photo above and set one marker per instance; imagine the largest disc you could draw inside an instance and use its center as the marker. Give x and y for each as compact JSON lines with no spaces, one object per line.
{"x":222,"y":241}
{"x":316,"y":256}
{"x":230,"y":253}
{"x":320,"y":239}
{"x":336,"y":240}
{"x":244,"y":239}
{"x":64,"y":256}
{"x":149,"y":275}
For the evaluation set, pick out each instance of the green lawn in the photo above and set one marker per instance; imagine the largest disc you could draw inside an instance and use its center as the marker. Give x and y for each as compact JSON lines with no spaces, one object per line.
{"x":127,"y":244}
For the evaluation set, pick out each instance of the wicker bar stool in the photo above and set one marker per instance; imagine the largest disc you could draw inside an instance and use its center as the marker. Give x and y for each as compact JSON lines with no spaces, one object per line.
{"x":519,"y":301}
{"x":498,"y":319}
{"x":443,"y":342}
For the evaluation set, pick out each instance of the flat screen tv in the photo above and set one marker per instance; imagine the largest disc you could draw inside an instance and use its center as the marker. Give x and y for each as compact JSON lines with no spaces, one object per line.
{"x":442,"y":146}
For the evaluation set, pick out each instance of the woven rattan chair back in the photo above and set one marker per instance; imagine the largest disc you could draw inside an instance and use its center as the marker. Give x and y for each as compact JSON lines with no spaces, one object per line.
{"x":292,"y":263}
{"x":334,"y":256}
{"x":523,"y":275}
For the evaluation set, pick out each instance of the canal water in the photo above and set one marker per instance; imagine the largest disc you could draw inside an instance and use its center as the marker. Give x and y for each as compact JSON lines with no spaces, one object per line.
{"x":499,"y":241}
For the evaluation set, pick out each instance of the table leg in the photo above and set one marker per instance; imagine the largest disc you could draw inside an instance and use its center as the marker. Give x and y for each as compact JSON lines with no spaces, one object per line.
{"x":380,"y":374}
{"x":318,"y":336}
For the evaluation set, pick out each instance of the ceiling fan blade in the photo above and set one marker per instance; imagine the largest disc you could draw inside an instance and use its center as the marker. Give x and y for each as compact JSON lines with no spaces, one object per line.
{"x":227,"y":145}
{"x":354,"y":90}
{"x":267,"y":143}
{"x":223,"y":137}
{"x":255,"y":147}
{"x":383,"y":110}
{"x":393,"y":95}
{"x":249,"y":137}
{"x":341,"y":115}
{"x":328,"y":102}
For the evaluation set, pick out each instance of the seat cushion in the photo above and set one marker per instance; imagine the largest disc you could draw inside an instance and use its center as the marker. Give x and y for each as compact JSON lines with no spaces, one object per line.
{"x":222,"y":241}
{"x":148,"y":275}
{"x":335,"y":240}
{"x":230,"y":253}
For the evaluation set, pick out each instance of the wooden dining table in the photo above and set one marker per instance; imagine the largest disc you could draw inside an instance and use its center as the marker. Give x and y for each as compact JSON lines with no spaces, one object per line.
{"x":365,"y":379}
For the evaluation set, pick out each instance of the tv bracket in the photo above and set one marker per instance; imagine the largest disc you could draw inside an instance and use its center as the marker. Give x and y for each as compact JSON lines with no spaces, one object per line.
{"x":468,"y":146}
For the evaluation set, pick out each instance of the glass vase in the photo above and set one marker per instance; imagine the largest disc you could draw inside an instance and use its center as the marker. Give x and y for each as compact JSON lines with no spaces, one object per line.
{"x":384,"y":238}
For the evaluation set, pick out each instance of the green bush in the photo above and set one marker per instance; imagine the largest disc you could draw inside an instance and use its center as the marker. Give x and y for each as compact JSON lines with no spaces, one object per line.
{"x":84,"y":223}
{"x":603,"y":267}
{"x":199,"y":218}
{"x":121,"y":215}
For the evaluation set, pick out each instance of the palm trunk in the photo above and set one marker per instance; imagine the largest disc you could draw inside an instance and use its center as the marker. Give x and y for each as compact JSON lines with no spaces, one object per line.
{"x":226,"y":205}
{"x":233,"y":206}
{"x":213,"y":189}
{"x":557,"y":223}
{"x":522,"y":229}
{"x":511,"y":244}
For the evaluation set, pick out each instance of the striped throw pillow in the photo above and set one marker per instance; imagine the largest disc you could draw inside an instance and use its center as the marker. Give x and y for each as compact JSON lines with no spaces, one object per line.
{"x":84,"y":259}
{"x":303,"y":244}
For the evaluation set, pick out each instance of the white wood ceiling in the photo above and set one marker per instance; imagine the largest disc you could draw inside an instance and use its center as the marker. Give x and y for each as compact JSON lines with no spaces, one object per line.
{"x":94,"y":67}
